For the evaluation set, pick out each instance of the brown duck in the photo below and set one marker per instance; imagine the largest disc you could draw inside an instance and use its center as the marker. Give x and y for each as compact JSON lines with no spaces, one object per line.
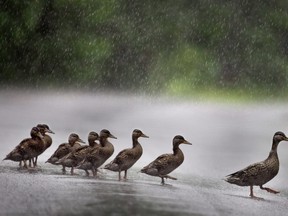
{"x":166,"y":163}
{"x":64,"y":149}
{"x":127,"y":157}
{"x":99,"y":155}
{"x":75,"y":157}
{"x":260,"y":173}
{"x":44,"y":128}
{"x":27,"y":147}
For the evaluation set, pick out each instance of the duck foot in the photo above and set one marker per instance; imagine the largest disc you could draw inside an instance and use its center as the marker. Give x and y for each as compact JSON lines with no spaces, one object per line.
{"x":269,"y":190}
{"x":256,"y":198}
{"x":169,"y":177}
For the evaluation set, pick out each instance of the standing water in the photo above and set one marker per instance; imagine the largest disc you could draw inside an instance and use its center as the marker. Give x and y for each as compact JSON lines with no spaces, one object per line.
{"x":225,"y":138}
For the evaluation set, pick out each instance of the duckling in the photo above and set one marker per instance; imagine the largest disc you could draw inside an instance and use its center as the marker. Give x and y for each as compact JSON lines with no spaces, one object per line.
{"x":27,"y":147}
{"x":64,"y":149}
{"x":73,"y":158}
{"x":127,"y":157}
{"x":44,"y":128}
{"x":99,"y":155}
{"x":260,"y":173}
{"x":166,"y":163}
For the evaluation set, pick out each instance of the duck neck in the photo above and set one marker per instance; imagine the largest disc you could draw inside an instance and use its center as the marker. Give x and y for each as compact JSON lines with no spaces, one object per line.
{"x":103,"y":141}
{"x":176,"y":150}
{"x":35,"y":137}
{"x":135,"y":142}
{"x":71,"y":143}
{"x":91,"y":142}
{"x":273,"y":151}
{"x":48,"y":140}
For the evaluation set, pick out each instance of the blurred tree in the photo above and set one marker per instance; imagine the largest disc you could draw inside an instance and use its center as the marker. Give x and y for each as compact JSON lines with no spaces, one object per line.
{"x":151,"y":45}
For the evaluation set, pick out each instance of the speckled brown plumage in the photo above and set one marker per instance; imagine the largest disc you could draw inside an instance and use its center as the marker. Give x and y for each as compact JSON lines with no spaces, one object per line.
{"x":166,"y":163}
{"x":27,"y":148}
{"x":99,"y":155}
{"x":258,"y":174}
{"x":75,"y":157}
{"x":127,"y":157}
{"x":64,"y":149}
{"x":44,"y":128}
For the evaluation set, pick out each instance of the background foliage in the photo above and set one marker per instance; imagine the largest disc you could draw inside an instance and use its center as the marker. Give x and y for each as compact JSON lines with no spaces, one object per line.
{"x":176,"y":46}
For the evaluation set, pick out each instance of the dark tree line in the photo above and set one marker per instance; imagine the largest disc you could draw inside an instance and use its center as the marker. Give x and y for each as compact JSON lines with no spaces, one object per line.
{"x":152,"y":45}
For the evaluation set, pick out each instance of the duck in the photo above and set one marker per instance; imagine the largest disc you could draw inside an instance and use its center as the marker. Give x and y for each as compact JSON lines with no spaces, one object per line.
{"x":260,"y":173}
{"x":96,"y":157}
{"x":17,"y":153}
{"x":127,"y":157}
{"x":27,"y":148}
{"x":73,"y":158}
{"x":166,"y":163}
{"x":44,"y":128}
{"x":65,"y":148}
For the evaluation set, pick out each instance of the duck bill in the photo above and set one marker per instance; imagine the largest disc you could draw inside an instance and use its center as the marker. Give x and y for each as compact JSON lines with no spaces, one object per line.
{"x":112,"y":136}
{"x":40,"y":135}
{"x":143,"y":135}
{"x":186,"y":142}
{"x":81,"y":141}
{"x":49,"y":131}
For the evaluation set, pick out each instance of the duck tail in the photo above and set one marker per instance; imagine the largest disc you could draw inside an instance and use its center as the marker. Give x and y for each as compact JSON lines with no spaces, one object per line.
{"x":233,"y":178}
{"x":143,"y":170}
{"x":52,"y":160}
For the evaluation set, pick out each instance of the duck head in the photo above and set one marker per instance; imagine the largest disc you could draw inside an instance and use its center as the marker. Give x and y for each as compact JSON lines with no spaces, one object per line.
{"x":74,"y":138}
{"x":35,"y":132}
{"x":138,"y":133}
{"x":106,"y":134}
{"x":44,"y":128}
{"x":92,"y":137}
{"x":279,"y":136}
{"x":178,"y":139}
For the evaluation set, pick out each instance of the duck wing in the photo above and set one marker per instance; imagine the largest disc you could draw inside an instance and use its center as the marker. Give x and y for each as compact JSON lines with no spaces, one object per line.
{"x":160,"y":162}
{"x":249,"y":175}
{"x":122,"y":156}
{"x":62,"y":150}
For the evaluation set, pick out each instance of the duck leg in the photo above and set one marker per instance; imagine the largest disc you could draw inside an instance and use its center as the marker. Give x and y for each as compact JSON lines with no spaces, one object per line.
{"x":72,"y":170}
{"x":162,"y":180}
{"x":125,"y":174}
{"x":170,"y":177}
{"x":87,"y":173}
{"x":252,"y":194}
{"x":94,"y":171}
{"x":63,"y":169}
{"x":269,"y":190}
{"x":119,"y":175}
{"x":35,"y":161}
{"x":167,"y":177}
{"x":25,"y":164}
{"x":30,"y":162}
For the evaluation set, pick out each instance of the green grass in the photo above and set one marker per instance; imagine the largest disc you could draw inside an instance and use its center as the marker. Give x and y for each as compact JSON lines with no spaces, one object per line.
{"x":230,"y":95}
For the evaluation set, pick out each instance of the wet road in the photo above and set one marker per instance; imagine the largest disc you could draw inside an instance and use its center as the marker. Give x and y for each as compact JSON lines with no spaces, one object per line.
{"x":225,"y":137}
